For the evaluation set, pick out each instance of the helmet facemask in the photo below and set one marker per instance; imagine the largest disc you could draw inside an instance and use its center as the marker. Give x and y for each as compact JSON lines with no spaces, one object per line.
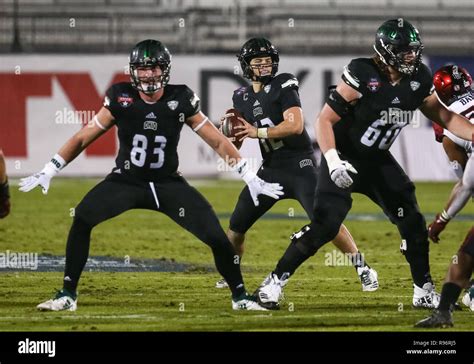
{"x":396,"y":57}
{"x":249,"y":69}
{"x":145,"y":59}
{"x":149,"y":84}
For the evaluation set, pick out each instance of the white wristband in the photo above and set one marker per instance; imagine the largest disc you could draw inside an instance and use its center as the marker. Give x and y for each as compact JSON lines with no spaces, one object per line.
{"x":445,"y":216}
{"x":262,"y":133}
{"x":332,"y":159}
{"x":243,"y":169}
{"x":53,"y":167}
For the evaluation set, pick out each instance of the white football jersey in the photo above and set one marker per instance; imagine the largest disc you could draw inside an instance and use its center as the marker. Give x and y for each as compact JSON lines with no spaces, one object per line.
{"x":465,"y":107}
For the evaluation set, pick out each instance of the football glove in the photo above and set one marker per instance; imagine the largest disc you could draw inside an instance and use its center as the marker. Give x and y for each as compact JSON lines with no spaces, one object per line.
{"x":339,"y":170}
{"x":256,"y":185}
{"x":43,"y":177}
{"x":437,"y":226}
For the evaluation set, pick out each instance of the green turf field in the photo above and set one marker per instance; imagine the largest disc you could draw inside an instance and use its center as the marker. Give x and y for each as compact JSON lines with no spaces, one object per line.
{"x":318,"y":297}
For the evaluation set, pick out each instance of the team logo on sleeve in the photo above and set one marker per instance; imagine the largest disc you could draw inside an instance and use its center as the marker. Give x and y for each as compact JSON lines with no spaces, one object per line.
{"x":173,"y":104}
{"x":125,"y":100}
{"x":415,"y":85}
{"x":106,"y":101}
{"x":373,"y":84}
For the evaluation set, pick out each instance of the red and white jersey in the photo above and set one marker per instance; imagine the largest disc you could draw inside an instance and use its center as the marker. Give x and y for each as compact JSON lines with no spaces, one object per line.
{"x":463,"y":106}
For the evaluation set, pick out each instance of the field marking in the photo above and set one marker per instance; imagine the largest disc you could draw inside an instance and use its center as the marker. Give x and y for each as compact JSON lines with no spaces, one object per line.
{"x":72,"y":316}
{"x":349,"y":217}
{"x":211,"y":314}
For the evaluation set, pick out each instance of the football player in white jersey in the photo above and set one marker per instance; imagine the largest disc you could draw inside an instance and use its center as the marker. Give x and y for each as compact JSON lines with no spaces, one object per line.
{"x":453,"y":87}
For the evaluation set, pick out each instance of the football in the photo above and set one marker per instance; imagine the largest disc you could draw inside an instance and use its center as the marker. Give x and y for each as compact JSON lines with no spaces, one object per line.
{"x":230,"y":122}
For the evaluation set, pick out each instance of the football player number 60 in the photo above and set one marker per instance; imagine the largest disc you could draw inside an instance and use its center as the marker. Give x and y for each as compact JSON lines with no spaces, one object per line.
{"x":138,"y":153}
{"x":373,"y":132}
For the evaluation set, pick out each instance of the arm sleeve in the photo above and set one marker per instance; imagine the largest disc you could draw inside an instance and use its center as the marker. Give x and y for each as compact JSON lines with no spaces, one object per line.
{"x":462,"y":194}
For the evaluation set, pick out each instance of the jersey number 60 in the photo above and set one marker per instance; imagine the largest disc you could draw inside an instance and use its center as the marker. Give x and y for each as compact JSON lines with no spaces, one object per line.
{"x":373,"y":132}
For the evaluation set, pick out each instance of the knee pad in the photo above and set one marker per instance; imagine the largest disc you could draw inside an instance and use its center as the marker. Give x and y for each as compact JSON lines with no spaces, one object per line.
{"x":414,"y":234}
{"x":304,"y":241}
{"x":414,"y":247}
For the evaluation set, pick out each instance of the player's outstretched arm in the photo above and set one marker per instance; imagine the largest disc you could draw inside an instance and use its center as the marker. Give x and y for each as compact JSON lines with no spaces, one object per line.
{"x":455,"y":123}
{"x":69,"y":151}
{"x":460,"y":193}
{"x":227,"y":151}
{"x":332,"y":111}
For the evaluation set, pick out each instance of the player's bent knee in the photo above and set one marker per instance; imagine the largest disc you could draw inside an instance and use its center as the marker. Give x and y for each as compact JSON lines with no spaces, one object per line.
{"x":305,"y":241}
{"x":329,"y":214}
{"x":86,"y":216}
{"x":79,"y":225}
{"x":413,"y":228}
{"x":237,"y":227}
{"x":235,"y":237}
{"x":214,"y":237}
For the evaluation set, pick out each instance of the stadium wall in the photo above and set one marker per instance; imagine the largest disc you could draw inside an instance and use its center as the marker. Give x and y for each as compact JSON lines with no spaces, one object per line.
{"x":46,"y":99}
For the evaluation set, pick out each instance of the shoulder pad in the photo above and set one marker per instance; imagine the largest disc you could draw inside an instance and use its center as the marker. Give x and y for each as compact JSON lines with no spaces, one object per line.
{"x":122,"y":87}
{"x":286,"y":80}
{"x":357,"y":72}
{"x":424,"y":76}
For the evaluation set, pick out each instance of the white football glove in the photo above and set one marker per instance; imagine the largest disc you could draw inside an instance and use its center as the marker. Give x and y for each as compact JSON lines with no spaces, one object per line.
{"x":43,"y":177}
{"x":256,"y":185}
{"x":339,"y":170}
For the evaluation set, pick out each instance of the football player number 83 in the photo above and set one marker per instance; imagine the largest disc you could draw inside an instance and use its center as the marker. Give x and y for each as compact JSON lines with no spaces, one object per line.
{"x":373,"y":132}
{"x":138,"y":153}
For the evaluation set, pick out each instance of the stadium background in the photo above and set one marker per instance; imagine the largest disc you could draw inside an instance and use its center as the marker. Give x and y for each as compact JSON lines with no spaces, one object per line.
{"x":57,"y":58}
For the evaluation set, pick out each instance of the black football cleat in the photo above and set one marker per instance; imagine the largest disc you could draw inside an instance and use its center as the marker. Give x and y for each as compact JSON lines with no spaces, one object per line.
{"x":438,"y":319}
